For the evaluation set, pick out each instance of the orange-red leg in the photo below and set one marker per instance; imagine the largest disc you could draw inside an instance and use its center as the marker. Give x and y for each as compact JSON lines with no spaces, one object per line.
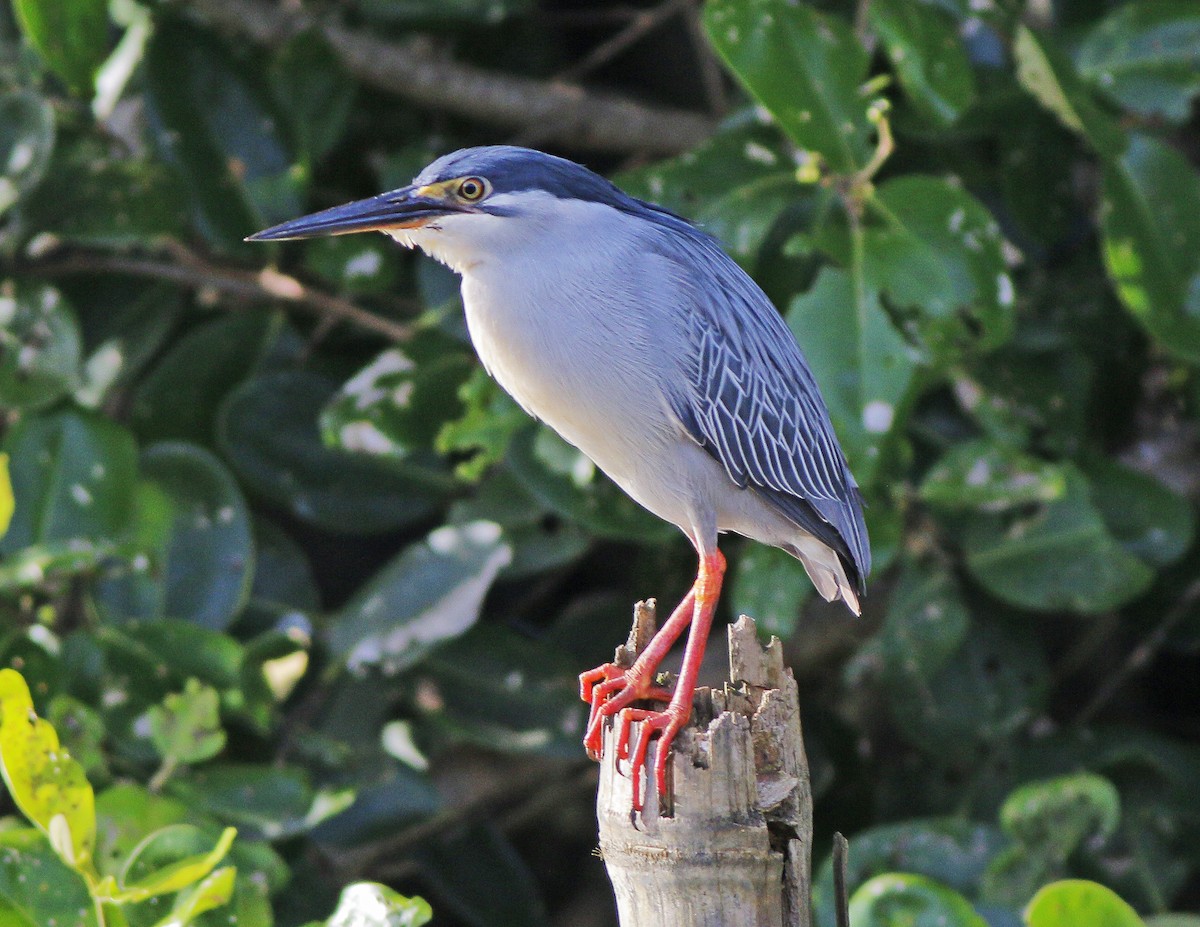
{"x":618,"y":690}
{"x":609,"y":688}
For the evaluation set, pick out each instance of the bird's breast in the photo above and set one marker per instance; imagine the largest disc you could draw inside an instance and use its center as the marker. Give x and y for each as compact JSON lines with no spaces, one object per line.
{"x":579,"y":357}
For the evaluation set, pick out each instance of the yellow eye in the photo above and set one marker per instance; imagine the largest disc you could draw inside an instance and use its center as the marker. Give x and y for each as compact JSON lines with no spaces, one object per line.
{"x":472,"y":189}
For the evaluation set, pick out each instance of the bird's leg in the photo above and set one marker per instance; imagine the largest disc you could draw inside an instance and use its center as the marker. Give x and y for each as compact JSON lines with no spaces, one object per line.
{"x":610,"y":687}
{"x":666,"y":724}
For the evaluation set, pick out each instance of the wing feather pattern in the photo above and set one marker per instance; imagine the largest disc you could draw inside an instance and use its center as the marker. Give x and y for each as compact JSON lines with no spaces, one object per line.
{"x":752,"y":402}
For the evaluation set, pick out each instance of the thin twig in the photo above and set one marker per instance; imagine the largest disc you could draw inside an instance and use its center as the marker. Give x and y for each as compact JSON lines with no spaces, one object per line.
{"x":841,"y":860}
{"x":1141,"y":655}
{"x":418,"y":70}
{"x":266,"y":284}
{"x":642,"y":25}
{"x":712,"y":78}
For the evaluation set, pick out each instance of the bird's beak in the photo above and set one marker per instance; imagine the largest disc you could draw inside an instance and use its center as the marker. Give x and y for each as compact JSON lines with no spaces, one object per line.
{"x":407,"y":208}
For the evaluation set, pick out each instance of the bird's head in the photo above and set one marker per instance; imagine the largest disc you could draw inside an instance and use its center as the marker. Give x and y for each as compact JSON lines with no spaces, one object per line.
{"x":474,"y":204}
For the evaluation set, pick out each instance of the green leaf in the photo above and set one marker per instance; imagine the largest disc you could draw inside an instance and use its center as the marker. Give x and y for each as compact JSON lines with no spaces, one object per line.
{"x":1150,"y":220}
{"x":186,"y":727}
{"x":180,"y":397}
{"x":7,"y":502}
{"x":960,"y":287}
{"x":1060,"y":556}
{"x":282,"y":572}
{"x":952,"y":850}
{"x":91,"y":197}
{"x":73,"y":477}
{"x":923,"y":44}
{"x":863,"y":365}
{"x":369,"y":904}
{"x":47,"y":785}
{"x":398,"y":403}
{"x":541,"y":539}
{"x":430,"y":593}
{"x":216,"y":126}
{"x":39,"y":345}
{"x":71,"y":35}
{"x":1149,"y":520}
{"x":265,"y":801}
{"x":358,"y":264}
{"x":770,"y":586}
{"x":1046,"y":73}
{"x":978,"y":700}
{"x":992,"y":477}
{"x":806,"y":68}
{"x":903,"y":900}
{"x":1059,"y":814}
{"x":1146,"y":57}
{"x":540,"y":710}
{"x":26,"y":141}
{"x":1076,"y":901}
{"x":36,"y":887}
{"x":924,"y":627}
{"x":564,"y":480}
{"x":1048,"y":821}
{"x":268,"y":431}
{"x":170,"y":859}
{"x":81,"y":731}
{"x":735,"y":186}
{"x":209,"y":554}
{"x":485,"y":428}
{"x":213,"y":891}
{"x":315,"y":93}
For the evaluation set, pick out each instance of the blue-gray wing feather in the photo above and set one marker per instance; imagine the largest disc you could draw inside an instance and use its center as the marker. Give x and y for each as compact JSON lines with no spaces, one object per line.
{"x":753,"y":403}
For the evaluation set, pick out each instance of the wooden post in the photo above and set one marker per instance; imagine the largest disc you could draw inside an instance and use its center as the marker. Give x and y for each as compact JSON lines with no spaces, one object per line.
{"x":732,"y":846}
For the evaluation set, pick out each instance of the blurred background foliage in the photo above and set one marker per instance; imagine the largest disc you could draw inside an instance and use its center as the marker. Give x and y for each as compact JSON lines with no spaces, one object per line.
{"x":283,"y":558}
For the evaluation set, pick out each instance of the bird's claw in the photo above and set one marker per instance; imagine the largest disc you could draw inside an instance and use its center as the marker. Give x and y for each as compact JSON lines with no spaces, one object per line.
{"x":663,"y":724}
{"x":609,"y":689}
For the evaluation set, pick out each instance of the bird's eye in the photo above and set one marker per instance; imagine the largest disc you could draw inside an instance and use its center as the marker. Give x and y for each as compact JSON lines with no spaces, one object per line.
{"x":472,"y":189}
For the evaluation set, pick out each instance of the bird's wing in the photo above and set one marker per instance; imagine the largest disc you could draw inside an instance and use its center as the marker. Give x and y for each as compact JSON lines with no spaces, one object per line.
{"x":754,"y":405}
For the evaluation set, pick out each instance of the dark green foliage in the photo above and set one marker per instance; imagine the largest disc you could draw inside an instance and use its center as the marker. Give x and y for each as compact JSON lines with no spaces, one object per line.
{"x":282,"y":557}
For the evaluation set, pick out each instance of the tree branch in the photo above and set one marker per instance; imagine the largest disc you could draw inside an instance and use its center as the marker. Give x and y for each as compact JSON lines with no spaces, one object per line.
{"x":266,"y":284}
{"x":415,"y":70}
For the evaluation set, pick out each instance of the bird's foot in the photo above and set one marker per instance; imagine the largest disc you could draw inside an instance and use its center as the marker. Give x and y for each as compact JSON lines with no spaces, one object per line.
{"x":663,"y":724}
{"x":609,"y":689}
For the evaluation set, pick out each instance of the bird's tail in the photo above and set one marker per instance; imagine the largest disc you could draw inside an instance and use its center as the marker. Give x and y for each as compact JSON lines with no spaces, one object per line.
{"x":827,"y":572}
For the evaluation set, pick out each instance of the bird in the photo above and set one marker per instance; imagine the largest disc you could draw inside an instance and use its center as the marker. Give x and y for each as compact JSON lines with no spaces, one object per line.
{"x":631,"y":333}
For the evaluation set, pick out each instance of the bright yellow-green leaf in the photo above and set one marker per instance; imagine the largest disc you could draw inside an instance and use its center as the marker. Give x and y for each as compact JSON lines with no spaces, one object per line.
{"x":1079,"y":902}
{"x":7,"y":502}
{"x":178,"y":875}
{"x":213,"y":891}
{"x":48,"y":786}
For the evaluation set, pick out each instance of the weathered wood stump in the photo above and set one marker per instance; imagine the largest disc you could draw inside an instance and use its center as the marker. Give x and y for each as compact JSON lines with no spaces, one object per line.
{"x":731,"y":845}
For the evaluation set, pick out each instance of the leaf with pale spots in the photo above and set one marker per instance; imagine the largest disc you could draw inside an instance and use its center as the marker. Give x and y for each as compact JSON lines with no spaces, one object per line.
{"x":37,"y":888}
{"x":396,"y":405}
{"x":48,"y":786}
{"x":1146,"y":57}
{"x":26,"y":143}
{"x":804,"y":67}
{"x":40,"y":345}
{"x":865,"y":368}
{"x":1058,"y":556}
{"x":73,"y":475}
{"x":991,"y":476}
{"x":430,"y":593}
{"x":369,"y":904}
{"x":208,"y":559}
